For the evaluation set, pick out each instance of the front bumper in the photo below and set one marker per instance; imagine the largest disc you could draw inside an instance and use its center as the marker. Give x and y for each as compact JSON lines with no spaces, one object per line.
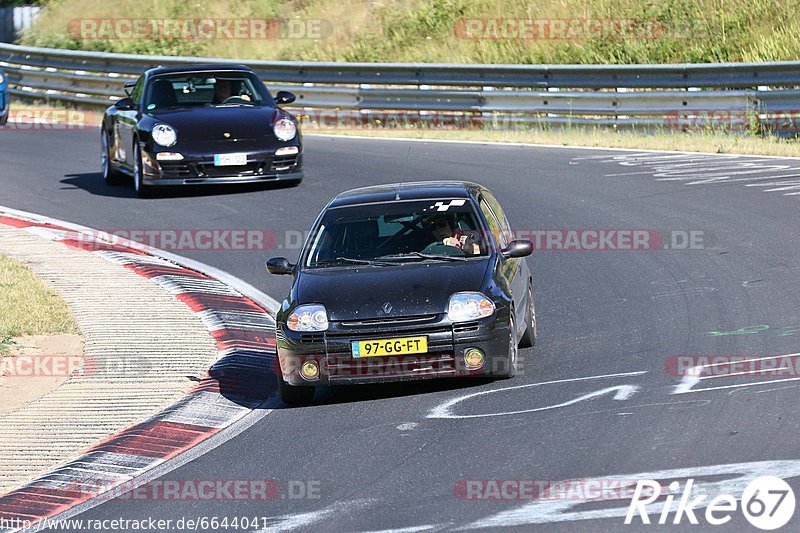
{"x":262,"y":166}
{"x":447,"y":344}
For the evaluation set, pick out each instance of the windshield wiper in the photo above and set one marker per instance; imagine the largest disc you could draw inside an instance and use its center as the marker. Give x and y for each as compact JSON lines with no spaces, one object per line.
{"x":421,"y":255}
{"x":352,"y":261}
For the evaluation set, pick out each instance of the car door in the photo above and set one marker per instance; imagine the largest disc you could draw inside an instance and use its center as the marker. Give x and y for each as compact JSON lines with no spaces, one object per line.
{"x":125,"y":126}
{"x":514,"y":269}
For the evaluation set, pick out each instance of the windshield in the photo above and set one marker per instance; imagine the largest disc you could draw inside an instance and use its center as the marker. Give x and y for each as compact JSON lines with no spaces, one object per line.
{"x":399,"y":232}
{"x":207,"y":89}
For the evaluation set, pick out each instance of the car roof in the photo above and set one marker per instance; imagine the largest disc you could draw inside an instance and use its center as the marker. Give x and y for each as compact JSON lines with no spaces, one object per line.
{"x":415,"y":190}
{"x":197,"y":68}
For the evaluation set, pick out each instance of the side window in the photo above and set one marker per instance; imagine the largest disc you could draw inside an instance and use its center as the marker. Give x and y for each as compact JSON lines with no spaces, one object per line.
{"x":508,"y":235}
{"x":494,"y":225}
{"x":136,"y":93}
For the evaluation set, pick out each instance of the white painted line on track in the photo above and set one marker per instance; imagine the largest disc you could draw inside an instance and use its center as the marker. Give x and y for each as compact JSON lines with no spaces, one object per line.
{"x":719,"y":479}
{"x":695,"y":375}
{"x":621,"y":392}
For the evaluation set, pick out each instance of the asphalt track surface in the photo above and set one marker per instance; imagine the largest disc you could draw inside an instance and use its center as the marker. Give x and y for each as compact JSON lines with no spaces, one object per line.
{"x":383,"y":457}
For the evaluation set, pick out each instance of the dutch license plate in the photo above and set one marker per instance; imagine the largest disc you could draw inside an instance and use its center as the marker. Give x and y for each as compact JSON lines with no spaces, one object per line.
{"x":383,"y":347}
{"x":230,"y":160}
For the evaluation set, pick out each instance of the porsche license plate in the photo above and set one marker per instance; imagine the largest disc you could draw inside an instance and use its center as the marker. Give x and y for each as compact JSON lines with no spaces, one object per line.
{"x":384,"y":347}
{"x":230,"y":160}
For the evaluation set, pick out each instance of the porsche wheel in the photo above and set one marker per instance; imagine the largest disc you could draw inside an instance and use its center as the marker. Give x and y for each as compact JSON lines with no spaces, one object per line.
{"x":142,"y":190}
{"x":110,"y":175}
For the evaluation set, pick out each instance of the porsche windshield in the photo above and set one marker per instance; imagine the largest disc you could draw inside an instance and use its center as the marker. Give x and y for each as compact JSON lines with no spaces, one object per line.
{"x":409,"y":231}
{"x":207,"y":89}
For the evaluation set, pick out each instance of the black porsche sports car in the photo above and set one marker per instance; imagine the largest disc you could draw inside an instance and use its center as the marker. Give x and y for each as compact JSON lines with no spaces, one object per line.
{"x":200,"y":125}
{"x":404,"y":281}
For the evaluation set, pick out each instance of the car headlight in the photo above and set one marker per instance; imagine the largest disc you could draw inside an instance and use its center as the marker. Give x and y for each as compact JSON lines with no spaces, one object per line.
{"x":285,"y":129}
{"x":164,"y":135}
{"x":312,"y":317}
{"x":466,"y":306}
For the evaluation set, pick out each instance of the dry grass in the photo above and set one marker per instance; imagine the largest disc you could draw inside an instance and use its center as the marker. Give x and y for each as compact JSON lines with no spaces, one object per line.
{"x":718,"y":143}
{"x":27,"y":306}
{"x":425,"y":30}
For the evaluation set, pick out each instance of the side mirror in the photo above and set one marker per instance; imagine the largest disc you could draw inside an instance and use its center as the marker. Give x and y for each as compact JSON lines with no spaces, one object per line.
{"x":280,"y":266}
{"x":126,"y":104}
{"x":285,"y":97}
{"x":518,"y":249}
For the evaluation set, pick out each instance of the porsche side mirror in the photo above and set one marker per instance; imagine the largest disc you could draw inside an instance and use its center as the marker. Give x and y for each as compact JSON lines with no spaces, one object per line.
{"x":280,"y":266}
{"x":285,"y":97}
{"x":518,"y":249}
{"x":126,"y":104}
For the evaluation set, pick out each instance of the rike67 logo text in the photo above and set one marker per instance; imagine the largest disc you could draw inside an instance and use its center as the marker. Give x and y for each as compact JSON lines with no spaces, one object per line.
{"x":767,"y":503}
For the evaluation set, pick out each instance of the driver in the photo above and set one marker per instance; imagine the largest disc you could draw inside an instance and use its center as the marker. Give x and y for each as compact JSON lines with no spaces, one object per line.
{"x":443,"y":233}
{"x":223,"y":89}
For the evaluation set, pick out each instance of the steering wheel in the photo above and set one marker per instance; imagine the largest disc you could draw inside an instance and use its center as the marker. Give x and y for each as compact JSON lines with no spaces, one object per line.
{"x":231,"y":100}
{"x":437,"y":248}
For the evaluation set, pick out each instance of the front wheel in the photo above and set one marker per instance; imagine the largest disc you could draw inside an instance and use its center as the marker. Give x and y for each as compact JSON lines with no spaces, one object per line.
{"x":530,"y":335}
{"x":110,"y":175}
{"x":142,"y":190}
{"x":513,"y":349}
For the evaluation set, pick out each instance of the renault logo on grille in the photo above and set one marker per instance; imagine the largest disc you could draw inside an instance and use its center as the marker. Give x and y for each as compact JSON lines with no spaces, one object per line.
{"x":387,"y":308}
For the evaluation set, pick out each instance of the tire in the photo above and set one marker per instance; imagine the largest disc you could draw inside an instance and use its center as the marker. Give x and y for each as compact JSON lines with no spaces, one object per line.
{"x":291,"y":395}
{"x":110,"y":175}
{"x":513,"y":349}
{"x":528,"y":338}
{"x":142,"y":190}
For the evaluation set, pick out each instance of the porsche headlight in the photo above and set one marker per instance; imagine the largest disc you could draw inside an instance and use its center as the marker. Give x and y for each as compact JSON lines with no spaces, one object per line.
{"x":308,"y":318}
{"x":466,"y":306}
{"x":285,"y":129}
{"x":164,"y":135}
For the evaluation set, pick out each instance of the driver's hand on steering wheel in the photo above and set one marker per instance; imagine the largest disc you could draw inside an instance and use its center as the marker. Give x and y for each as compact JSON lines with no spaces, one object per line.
{"x":455,"y":242}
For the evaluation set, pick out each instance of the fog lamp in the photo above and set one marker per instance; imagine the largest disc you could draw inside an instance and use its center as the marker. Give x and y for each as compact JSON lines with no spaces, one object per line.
{"x":309,"y":370}
{"x":474,"y":358}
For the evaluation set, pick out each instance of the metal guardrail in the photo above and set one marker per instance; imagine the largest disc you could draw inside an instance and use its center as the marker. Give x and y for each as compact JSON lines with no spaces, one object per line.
{"x":627,"y":95}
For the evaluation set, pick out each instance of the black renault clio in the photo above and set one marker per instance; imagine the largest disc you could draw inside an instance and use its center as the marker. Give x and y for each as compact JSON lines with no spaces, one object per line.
{"x":405,"y":281}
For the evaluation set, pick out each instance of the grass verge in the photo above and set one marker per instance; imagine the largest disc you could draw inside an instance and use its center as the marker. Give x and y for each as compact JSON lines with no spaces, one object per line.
{"x":457,"y":31}
{"x":28,"y":307}
{"x":707,"y":142}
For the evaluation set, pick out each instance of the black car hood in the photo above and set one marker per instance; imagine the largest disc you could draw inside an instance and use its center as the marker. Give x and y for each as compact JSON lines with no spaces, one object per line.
{"x":362,"y":293}
{"x":212,"y":123}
